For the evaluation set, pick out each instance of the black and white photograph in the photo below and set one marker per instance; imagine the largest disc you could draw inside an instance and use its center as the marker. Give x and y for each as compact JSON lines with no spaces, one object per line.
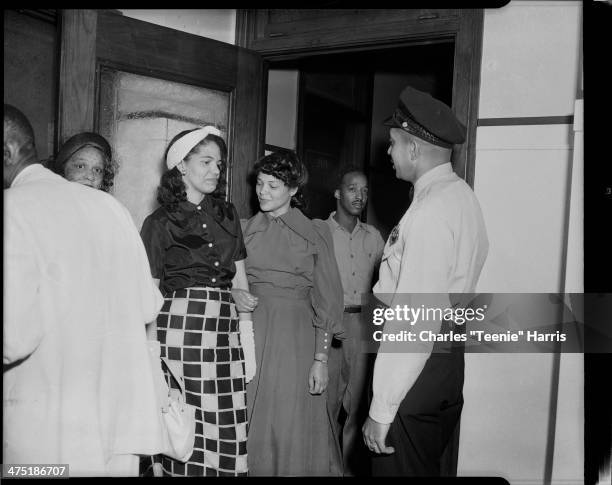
{"x":309,"y":242}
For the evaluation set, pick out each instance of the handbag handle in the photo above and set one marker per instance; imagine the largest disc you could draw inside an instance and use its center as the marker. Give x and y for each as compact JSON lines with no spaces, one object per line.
{"x":177,"y":378}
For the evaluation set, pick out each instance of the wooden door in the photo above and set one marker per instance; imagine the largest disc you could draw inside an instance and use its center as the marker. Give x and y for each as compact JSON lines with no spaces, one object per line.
{"x":139,"y":84}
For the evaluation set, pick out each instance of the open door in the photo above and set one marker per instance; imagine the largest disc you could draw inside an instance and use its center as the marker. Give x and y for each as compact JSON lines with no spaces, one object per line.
{"x":139,"y":84}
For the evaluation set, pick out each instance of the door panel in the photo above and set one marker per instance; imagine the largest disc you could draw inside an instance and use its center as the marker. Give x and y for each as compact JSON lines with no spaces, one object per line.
{"x":189,"y":70}
{"x":140,"y":115}
{"x":276,"y":30}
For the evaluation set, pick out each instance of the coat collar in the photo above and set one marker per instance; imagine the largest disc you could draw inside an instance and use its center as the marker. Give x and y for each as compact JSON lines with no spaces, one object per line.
{"x":33,"y":172}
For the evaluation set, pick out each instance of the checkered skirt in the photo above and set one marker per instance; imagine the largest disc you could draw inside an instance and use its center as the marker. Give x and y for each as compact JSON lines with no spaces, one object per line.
{"x":198,"y":328}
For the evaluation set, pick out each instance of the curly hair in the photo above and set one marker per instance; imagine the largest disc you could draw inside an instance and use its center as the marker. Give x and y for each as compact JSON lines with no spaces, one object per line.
{"x":108,"y":179}
{"x":285,"y":166}
{"x":344,"y":171}
{"x":76,"y":143}
{"x":172,"y":189}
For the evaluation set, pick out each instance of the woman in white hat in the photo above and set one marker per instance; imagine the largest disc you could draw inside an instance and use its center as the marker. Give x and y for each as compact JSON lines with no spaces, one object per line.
{"x":196,"y":252}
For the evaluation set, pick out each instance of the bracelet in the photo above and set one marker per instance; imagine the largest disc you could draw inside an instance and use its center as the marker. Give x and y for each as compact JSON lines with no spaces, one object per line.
{"x":321,"y":360}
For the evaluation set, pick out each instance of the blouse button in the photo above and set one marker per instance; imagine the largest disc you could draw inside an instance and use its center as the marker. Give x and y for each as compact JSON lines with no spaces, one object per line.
{"x":210,"y":245}
{"x":204,"y":226}
{"x":325,"y":340}
{"x":214,"y":280}
{"x":325,"y":346}
{"x":216,"y":263}
{"x":199,"y":207}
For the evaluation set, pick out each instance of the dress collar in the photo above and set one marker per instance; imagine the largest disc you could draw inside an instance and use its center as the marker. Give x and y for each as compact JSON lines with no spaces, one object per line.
{"x":294,"y":219}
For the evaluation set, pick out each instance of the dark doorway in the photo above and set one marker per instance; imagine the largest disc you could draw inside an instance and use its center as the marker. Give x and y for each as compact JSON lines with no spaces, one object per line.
{"x":30,"y":66}
{"x":343,"y":99}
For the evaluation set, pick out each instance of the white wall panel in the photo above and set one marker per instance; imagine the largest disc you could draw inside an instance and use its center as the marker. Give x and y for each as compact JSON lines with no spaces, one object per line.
{"x":505,"y":416}
{"x":522,"y":188}
{"x":522,"y":185}
{"x":529,"y":59}
{"x":530,"y":68}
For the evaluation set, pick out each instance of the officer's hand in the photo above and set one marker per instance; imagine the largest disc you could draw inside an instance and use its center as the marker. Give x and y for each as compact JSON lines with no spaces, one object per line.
{"x":374,"y":436}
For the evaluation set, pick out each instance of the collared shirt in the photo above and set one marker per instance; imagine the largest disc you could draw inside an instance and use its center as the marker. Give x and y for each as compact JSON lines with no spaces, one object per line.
{"x":357,"y":254}
{"x":194,"y":245}
{"x":439,"y":246}
{"x":78,"y":292}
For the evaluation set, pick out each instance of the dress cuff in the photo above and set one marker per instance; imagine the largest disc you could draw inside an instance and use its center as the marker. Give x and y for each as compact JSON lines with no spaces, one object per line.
{"x":382,"y":412}
{"x":322,"y":341}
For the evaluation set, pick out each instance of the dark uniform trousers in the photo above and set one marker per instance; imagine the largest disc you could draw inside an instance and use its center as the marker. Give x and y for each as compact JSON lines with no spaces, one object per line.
{"x":426,"y":419}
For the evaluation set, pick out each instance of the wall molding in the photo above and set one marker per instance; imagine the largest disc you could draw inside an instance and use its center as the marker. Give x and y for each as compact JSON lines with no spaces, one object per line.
{"x":525,"y":137}
{"x":529,"y":120}
{"x":544,"y":3}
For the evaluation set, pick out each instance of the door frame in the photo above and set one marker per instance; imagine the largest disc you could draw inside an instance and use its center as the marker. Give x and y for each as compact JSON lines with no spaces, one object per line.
{"x":464,"y":27}
{"x":94,"y":39}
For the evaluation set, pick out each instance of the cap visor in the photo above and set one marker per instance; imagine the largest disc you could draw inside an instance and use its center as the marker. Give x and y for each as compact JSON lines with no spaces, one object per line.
{"x":390,"y":121}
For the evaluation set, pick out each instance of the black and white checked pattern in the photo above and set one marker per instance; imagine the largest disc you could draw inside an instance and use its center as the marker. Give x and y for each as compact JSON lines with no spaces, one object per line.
{"x":198,"y":329}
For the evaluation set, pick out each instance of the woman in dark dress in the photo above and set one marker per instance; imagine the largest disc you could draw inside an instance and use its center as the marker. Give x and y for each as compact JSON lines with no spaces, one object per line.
{"x":291,"y":267}
{"x":196,"y":251}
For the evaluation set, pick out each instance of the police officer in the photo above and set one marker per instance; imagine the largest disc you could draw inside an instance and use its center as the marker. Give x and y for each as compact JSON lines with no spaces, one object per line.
{"x":438,"y":247}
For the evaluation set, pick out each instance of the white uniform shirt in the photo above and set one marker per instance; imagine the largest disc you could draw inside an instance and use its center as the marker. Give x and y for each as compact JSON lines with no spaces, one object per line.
{"x":78,"y":386}
{"x":439,"y":246}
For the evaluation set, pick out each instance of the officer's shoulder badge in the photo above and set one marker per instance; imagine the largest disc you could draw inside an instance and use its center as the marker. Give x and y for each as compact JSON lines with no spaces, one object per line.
{"x":394,"y":235}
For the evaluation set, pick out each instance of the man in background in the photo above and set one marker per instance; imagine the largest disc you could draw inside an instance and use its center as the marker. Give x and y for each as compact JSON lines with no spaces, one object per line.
{"x":358,"y":248}
{"x":78,"y":386}
{"x":439,"y":247}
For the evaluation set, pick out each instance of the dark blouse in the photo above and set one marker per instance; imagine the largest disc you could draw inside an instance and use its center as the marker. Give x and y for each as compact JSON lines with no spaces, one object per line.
{"x":195,"y":245}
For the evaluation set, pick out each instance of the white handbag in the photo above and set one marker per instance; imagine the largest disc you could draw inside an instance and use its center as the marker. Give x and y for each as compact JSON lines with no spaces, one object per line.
{"x":178,"y":416}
